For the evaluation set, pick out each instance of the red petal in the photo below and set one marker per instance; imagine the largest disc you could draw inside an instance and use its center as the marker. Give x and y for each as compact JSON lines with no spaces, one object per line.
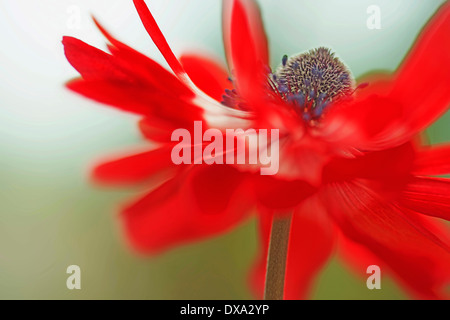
{"x":430,"y":196}
{"x":357,"y":256}
{"x":275,"y":193}
{"x":161,"y":131}
{"x":131,"y":81}
{"x":433,"y":161}
{"x":135,"y":168}
{"x":145,"y":69}
{"x":391,"y":112}
{"x":207,"y":75}
{"x":156,"y":129}
{"x":310,"y":245}
{"x":423,"y":81}
{"x":245,"y":43}
{"x":205,"y":201}
{"x":373,"y":121}
{"x":158,"y":38}
{"x":410,"y":250}
{"x":389,"y":170}
{"x":92,"y":63}
{"x":138,"y":99}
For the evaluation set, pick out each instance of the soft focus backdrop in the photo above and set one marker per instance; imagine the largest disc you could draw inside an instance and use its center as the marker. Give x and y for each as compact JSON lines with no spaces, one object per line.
{"x":51,"y":216}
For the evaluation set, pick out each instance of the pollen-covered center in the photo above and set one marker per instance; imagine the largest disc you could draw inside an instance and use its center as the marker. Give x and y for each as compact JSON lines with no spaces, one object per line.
{"x":312,"y":81}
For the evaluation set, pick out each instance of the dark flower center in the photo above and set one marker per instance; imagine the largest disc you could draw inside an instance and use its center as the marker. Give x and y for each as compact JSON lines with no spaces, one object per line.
{"x":312,"y":81}
{"x":309,"y":82}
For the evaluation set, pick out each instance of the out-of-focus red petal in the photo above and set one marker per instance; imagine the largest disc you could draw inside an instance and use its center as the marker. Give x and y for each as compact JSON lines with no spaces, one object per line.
{"x":158,"y":38}
{"x":143,"y":68}
{"x":208,"y":75}
{"x":130,"y":81}
{"x":389,"y":169}
{"x":159,"y":130}
{"x":138,"y":99}
{"x":372,"y":121}
{"x":392,"y":110}
{"x":357,"y":257}
{"x":279,"y":194}
{"x":134,"y":168}
{"x":434,"y":160}
{"x":188,"y":207}
{"x":257,"y":274}
{"x":245,"y":43}
{"x":92,"y":63}
{"x":422,"y":83}
{"x":310,"y":245}
{"x":430,"y":196}
{"x":156,"y":129}
{"x":415,"y":254}
{"x":124,"y":65}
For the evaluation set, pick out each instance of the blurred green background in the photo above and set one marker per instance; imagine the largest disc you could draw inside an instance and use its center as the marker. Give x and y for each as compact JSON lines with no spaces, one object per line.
{"x":51,"y":216}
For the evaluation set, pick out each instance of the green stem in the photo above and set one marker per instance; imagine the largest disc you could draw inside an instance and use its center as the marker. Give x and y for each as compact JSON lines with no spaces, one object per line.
{"x":276,"y":258}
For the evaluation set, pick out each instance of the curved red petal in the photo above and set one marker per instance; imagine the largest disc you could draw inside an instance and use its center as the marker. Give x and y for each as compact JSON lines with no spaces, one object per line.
{"x":208,"y":75}
{"x":422,"y":82}
{"x":158,"y":38}
{"x":143,"y":68}
{"x":414,"y":253}
{"x":310,"y":246}
{"x":434,"y":160}
{"x":138,"y":99}
{"x":124,"y":65}
{"x":357,"y":257}
{"x":130,"y":81}
{"x":92,"y":63}
{"x":245,"y":43}
{"x":391,"y":111}
{"x":135,"y":168}
{"x":186,"y":208}
{"x":430,"y":196}
{"x":372,"y":121}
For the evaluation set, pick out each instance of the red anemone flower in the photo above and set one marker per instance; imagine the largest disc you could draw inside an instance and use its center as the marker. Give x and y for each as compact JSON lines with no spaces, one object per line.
{"x":353,"y":171}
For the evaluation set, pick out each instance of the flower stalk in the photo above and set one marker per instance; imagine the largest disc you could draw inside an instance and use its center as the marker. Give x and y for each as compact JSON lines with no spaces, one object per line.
{"x":277,"y":257}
